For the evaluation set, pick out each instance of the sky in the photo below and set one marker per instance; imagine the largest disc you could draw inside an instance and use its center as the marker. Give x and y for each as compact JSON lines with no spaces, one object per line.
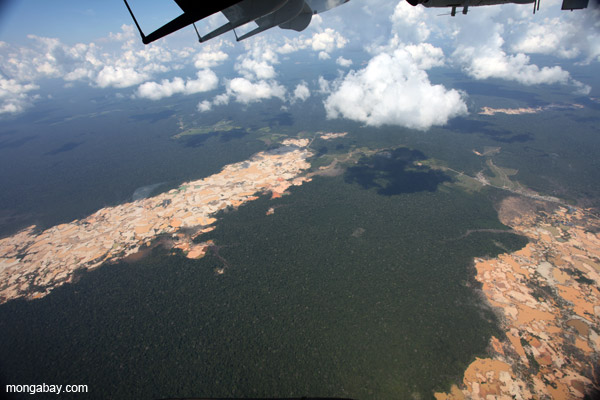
{"x":384,"y":53}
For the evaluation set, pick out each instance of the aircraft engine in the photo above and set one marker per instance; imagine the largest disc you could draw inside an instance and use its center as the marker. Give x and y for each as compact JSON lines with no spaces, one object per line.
{"x":301,"y":21}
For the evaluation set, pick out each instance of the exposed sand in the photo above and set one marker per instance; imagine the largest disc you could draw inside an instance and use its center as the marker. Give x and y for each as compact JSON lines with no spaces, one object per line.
{"x":33,"y":263}
{"x":527,"y":110}
{"x":510,"y":111}
{"x":548,"y":296}
{"x":332,"y":135}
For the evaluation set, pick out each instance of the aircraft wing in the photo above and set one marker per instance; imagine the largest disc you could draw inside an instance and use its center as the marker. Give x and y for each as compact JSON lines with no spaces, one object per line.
{"x":246,"y":11}
{"x":187,"y":5}
{"x":574,"y":4}
{"x":192,"y":11}
{"x":287,"y":14}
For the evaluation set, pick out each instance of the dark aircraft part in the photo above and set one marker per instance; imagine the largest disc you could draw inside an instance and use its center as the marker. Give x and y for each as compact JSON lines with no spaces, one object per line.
{"x":193,"y":11}
{"x":464,"y":3}
{"x":289,"y":11}
{"x":301,"y":21}
{"x":319,"y":6}
{"x":566,"y":5}
{"x":243,"y":12}
{"x":470,"y":3}
{"x":287,"y":14}
{"x":250,"y":10}
{"x":574,"y":4}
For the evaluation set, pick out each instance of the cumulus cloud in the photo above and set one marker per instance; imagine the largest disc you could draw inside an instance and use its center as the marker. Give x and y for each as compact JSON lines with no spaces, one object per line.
{"x":343,"y":62}
{"x":122,"y":67}
{"x":252,"y":68}
{"x":410,"y":22}
{"x":14,"y":96}
{"x":207,"y":80}
{"x":425,"y":55}
{"x":496,"y":44}
{"x":327,"y":41}
{"x":221,"y":99}
{"x":209,"y":59}
{"x":484,"y":46}
{"x":572,"y":36}
{"x":301,"y":92}
{"x":118,"y":61}
{"x":324,"y":55}
{"x":119,"y":77}
{"x":489,"y":60}
{"x":323,"y":42}
{"x":392,"y":90}
{"x":127,"y":32}
{"x":245,"y":91}
{"x":204,"y":106}
{"x":324,"y":86}
{"x":258,"y":61}
{"x":257,"y":76}
{"x":210,"y":56}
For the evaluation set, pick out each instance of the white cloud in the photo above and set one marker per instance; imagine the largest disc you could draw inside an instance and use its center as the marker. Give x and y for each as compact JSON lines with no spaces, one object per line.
{"x":324,"y":86}
{"x":13,"y":96}
{"x":204,"y":106}
{"x":495,"y":63}
{"x":323,"y":42}
{"x":495,"y":42}
{"x":78,"y":74}
{"x":324,"y":56}
{"x":392,"y":90}
{"x":209,"y":59}
{"x":121,"y":67}
{"x":258,"y":61}
{"x":156,"y":91}
{"x":343,"y":62}
{"x":49,"y":57}
{"x":410,"y":23}
{"x":251,"y":68}
{"x":301,"y":92}
{"x":207,"y":80}
{"x":246,"y":92}
{"x":288,"y":47}
{"x":210,"y":56}
{"x":127,"y":32}
{"x":257,"y":81}
{"x":491,"y":42}
{"x":574,"y":36}
{"x":221,"y":99}
{"x":327,"y":41}
{"x":119,"y":61}
{"x":488,"y":59}
{"x":425,"y":55}
{"x":119,"y":77}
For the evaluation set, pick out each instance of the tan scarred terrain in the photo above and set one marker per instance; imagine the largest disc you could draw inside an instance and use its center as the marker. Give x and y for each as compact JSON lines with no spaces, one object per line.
{"x":32,"y":263}
{"x":548,"y":299}
{"x":545,"y":294}
{"x":528,"y":110}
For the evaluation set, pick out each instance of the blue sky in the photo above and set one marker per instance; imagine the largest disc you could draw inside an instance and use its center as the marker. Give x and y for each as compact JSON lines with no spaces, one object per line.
{"x":76,"y":21}
{"x":383,"y":52}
